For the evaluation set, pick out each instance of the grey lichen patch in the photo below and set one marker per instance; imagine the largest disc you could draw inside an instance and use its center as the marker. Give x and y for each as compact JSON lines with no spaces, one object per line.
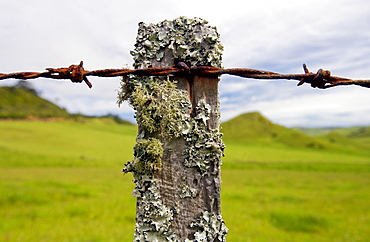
{"x":148,"y":157}
{"x":204,"y":146}
{"x":192,"y":41}
{"x":160,"y":106}
{"x":210,"y":227}
{"x":187,"y":190}
{"x":154,"y":220}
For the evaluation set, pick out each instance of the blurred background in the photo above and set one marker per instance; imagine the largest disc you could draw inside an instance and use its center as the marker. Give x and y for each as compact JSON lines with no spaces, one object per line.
{"x":297,"y":164}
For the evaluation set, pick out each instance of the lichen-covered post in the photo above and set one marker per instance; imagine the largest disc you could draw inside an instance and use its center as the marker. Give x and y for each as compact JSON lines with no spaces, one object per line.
{"x":178,"y":152}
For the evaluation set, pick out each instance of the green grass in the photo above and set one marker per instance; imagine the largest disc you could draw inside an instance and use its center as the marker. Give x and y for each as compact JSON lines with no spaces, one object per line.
{"x":62,"y":181}
{"x":278,"y":205}
{"x":260,"y":154}
{"x":65,"y":143}
{"x":66,"y":204}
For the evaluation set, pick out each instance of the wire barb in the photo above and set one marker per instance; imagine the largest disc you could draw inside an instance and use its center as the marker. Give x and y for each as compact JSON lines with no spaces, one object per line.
{"x":76,"y":73}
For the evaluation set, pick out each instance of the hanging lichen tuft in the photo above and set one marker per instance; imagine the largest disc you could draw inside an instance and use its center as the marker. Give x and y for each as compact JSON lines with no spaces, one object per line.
{"x":160,"y":106}
{"x":148,"y":154}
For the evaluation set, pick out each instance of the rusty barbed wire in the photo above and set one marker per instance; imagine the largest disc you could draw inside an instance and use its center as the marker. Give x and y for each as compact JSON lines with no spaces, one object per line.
{"x":77,"y":74}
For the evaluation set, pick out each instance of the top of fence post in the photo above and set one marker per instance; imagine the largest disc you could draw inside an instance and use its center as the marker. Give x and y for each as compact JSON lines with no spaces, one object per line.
{"x":179,"y":148}
{"x":191,"y":41}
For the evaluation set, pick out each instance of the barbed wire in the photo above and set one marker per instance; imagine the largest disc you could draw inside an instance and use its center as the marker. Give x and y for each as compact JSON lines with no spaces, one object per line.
{"x":77,"y":74}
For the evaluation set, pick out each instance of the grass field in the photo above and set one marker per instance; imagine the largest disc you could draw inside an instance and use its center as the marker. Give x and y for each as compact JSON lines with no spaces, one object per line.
{"x":62,"y":181}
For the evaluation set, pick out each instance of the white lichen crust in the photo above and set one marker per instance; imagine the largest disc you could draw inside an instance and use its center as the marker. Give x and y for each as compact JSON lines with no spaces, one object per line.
{"x":192,"y":41}
{"x":210,"y":227}
{"x":204,"y":147}
{"x":154,"y":221}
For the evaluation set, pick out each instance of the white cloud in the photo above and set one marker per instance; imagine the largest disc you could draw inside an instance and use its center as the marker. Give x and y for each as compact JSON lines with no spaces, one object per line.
{"x":321,"y":108}
{"x":267,"y":34}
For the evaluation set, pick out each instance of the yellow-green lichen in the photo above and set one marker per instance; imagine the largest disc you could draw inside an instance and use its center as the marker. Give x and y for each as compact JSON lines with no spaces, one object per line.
{"x":148,"y":157}
{"x":160,"y":106}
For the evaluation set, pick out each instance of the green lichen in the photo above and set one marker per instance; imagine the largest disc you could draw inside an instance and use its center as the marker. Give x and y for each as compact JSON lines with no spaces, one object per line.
{"x":204,"y":146}
{"x":211,"y":227}
{"x":160,"y":106}
{"x":148,"y":157}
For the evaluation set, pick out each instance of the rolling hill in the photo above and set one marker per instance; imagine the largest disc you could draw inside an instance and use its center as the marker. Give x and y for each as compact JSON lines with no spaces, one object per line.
{"x":254,"y":128}
{"x":23,"y":102}
{"x":358,"y":134}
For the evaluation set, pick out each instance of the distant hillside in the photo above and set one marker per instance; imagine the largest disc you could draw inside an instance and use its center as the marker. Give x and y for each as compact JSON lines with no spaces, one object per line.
{"x":254,"y":128}
{"x":22,"y":102}
{"x":314,"y":131}
{"x":358,"y":134}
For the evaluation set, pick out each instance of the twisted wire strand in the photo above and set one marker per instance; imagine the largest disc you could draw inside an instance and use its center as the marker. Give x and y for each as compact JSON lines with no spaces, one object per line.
{"x":76,"y":73}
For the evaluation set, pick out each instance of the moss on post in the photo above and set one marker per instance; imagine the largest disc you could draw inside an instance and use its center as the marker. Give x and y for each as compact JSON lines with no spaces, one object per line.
{"x":179,"y":148}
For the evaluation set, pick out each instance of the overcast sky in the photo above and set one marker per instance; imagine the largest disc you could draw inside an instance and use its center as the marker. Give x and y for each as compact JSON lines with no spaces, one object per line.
{"x":270,"y":35}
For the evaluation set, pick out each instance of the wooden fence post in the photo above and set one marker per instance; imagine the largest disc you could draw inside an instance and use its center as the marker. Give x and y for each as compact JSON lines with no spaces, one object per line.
{"x":178,"y":152}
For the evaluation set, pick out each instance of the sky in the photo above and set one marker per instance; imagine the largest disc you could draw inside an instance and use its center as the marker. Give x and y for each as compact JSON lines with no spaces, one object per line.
{"x":270,"y":35}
